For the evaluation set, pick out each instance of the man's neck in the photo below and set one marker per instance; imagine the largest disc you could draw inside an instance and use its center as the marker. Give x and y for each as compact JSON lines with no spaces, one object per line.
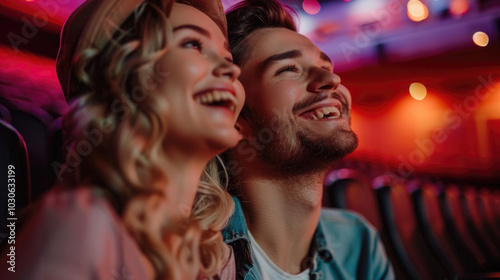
{"x":282,"y":215}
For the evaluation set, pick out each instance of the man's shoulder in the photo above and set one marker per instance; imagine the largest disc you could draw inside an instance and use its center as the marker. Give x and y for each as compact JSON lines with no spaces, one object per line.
{"x":343,"y":217}
{"x":236,"y":226}
{"x":343,"y":224}
{"x":352,"y":237}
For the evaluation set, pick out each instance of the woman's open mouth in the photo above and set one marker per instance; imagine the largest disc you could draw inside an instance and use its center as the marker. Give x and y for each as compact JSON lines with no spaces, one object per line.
{"x":217,"y":98}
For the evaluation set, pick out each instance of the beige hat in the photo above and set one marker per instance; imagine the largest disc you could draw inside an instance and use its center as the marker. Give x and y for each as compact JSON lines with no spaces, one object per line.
{"x":93,"y":23}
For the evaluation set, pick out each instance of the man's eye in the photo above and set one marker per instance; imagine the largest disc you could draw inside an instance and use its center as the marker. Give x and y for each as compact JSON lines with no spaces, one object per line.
{"x":287,"y":68}
{"x":192,"y":44}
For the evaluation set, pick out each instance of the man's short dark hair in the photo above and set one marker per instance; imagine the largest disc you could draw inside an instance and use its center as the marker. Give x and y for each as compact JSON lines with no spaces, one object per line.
{"x":250,"y":15}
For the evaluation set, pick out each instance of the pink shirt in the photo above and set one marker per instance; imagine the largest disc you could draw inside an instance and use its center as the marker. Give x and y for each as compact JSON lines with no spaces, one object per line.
{"x":229,"y":271}
{"x":75,"y":234}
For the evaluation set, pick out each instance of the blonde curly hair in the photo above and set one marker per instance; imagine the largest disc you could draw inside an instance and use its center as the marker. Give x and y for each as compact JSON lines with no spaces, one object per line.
{"x":127,"y":162}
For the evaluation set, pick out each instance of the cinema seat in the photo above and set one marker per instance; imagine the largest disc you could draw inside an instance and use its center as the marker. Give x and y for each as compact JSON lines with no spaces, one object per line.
{"x":5,"y":114}
{"x":399,"y":219}
{"x":455,"y":219}
{"x":13,"y":152}
{"x":34,"y":132}
{"x":431,"y":221}
{"x":475,"y":219}
{"x":55,"y":146}
{"x":490,"y":214}
{"x":350,"y":189}
{"x":496,"y":205}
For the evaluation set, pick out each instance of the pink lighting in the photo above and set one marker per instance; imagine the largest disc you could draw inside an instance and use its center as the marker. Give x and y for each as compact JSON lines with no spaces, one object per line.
{"x":311,"y":7}
{"x":459,"y":7}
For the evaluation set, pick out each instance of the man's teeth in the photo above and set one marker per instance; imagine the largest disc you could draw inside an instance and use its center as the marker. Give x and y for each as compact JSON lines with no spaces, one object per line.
{"x":328,"y":112}
{"x":211,"y":97}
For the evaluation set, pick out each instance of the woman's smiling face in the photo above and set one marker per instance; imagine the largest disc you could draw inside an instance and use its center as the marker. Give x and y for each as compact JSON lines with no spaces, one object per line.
{"x":200,"y":84}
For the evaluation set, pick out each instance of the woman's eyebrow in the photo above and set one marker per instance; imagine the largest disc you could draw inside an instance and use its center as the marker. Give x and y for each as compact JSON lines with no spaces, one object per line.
{"x":196,"y":28}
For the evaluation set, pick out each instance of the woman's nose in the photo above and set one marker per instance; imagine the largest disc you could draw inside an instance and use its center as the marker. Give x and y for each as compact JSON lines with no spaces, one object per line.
{"x":227,"y":68}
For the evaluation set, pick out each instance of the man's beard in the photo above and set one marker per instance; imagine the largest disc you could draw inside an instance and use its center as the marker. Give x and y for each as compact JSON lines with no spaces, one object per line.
{"x":294,"y":153}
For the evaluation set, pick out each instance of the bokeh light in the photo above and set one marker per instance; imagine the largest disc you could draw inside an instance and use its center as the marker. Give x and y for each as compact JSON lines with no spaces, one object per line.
{"x":417,"y":11}
{"x":418,"y":91}
{"x":459,"y":7}
{"x":480,"y":38}
{"x":311,"y":7}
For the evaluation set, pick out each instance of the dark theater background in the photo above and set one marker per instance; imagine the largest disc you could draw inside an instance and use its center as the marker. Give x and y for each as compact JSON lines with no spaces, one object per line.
{"x":425,"y":81}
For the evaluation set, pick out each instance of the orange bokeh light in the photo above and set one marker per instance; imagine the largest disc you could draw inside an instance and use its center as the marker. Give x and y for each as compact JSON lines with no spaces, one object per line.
{"x":417,"y":11}
{"x":481,"y":39}
{"x":418,"y":91}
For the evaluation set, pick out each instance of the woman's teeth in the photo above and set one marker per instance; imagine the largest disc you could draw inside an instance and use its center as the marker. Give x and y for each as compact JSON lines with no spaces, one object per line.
{"x":218,"y":97}
{"x":325,"y":112}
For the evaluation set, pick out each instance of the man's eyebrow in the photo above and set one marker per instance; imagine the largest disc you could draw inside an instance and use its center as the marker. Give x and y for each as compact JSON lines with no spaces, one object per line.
{"x":196,"y":28}
{"x":280,"y":56}
{"x":325,"y":57}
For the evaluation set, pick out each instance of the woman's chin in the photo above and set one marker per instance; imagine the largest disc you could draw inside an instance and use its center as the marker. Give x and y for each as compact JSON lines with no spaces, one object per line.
{"x":226,"y":142}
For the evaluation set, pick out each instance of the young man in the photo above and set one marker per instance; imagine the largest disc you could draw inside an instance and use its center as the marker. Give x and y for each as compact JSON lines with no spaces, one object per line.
{"x":296,"y":126}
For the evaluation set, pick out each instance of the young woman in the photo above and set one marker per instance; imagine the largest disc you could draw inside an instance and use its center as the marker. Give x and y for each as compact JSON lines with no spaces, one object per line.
{"x":154,"y":96}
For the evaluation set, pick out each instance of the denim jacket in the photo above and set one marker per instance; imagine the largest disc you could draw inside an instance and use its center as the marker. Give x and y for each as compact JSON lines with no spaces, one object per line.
{"x":345,"y":246}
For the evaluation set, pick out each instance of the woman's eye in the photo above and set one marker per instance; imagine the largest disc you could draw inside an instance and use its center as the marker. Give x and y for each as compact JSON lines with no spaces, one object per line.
{"x":192,"y":44}
{"x":288,"y":68}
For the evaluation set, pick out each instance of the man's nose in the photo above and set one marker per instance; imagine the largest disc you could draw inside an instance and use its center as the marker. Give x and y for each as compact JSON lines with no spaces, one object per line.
{"x":322,"y":80}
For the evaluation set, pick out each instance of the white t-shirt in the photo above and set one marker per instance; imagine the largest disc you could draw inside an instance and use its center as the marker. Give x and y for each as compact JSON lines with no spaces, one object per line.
{"x":269,"y":270}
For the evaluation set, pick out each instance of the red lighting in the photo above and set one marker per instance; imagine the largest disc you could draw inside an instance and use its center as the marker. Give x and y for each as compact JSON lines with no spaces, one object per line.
{"x":311,"y":7}
{"x":459,"y":7}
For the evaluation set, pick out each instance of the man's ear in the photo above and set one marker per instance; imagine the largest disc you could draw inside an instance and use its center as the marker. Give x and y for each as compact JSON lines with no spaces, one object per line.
{"x":243,"y":128}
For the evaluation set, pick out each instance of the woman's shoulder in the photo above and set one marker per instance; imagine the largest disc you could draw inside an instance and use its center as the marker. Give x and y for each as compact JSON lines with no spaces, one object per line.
{"x":80,"y":213}
{"x":66,"y":215}
{"x":73,"y":198}
{"x":66,"y":207}
{"x":75,"y":232}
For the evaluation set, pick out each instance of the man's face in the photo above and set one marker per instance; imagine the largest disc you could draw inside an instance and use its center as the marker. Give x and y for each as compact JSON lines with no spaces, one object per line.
{"x":291,"y":89}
